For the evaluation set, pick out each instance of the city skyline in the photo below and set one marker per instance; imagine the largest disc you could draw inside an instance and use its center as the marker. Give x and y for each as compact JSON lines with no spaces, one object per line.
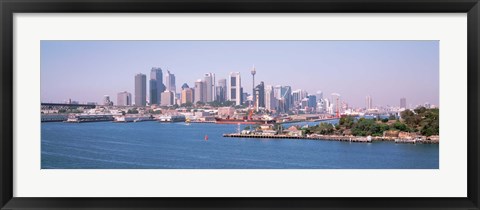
{"x":351,"y":71}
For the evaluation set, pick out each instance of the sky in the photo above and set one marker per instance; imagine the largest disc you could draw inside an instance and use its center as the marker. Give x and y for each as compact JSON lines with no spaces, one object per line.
{"x":85,"y":71}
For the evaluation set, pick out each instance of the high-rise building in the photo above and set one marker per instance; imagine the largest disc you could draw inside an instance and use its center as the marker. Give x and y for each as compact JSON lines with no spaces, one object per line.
{"x":403,"y":103}
{"x":167,"y":98}
{"x":170,"y":82}
{"x":319,"y":95}
{"x":286,"y":94}
{"x":106,"y":101}
{"x":312,"y":102}
{"x":209,"y":79}
{"x":221,"y":90}
{"x":270,"y":100}
{"x":334,"y":104}
{"x":124,"y":99}
{"x":234,"y":88}
{"x":140,"y":90}
{"x":253,"y":84}
{"x":185,"y":86}
{"x":368,"y":101}
{"x":187,"y":96}
{"x":200,"y":91}
{"x":156,"y":85}
{"x":259,"y":96}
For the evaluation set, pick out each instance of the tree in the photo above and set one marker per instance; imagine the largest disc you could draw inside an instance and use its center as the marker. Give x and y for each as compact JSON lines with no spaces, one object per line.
{"x":347,"y":122}
{"x":399,"y":126}
{"x":384,"y":120}
{"x":188,"y":104}
{"x":132,"y":111}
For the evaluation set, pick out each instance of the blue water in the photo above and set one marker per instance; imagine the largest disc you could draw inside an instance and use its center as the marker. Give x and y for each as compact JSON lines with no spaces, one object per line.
{"x":153,"y":145}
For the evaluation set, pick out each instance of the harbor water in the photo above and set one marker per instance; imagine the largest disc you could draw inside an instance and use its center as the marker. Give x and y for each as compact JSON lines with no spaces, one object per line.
{"x":154,"y":145}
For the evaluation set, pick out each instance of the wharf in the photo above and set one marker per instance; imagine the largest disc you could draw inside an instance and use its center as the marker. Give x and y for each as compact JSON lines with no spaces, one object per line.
{"x":331,"y":138}
{"x":327,"y":138}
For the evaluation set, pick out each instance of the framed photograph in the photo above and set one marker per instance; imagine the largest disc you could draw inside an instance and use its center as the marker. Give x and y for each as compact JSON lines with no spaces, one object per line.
{"x":239,"y":105}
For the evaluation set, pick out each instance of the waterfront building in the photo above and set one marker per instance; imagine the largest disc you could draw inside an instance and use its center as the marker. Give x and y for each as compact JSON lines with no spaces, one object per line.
{"x":187,"y":96}
{"x":234,"y":90}
{"x":199,"y":93}
{"x":368,"y":101}
{"x":140,"y":90}
{"x":185,"y":86}
{"x":156,"y":85}
{"x":226,"y":112}
{"x":270,"y":100}
{"x":259,"y":96}
{"x":221,"y":90}
{"x":167,"y":98}
{"x":170,"y":82}
{"x":209,"y":79}
{"x":124,"y":99}
{"x":403,"y":103}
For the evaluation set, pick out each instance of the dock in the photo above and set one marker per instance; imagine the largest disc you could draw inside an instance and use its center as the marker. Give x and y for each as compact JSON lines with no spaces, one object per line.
{"x":359,"y":139}
{"x":326,"y":138}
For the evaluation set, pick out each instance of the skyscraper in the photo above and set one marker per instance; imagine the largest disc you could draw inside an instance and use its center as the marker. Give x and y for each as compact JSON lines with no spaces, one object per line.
{"x":319,"y":95}
{"x":298,"y":96}
{"x":124,"y":99}
{"x":106,"y":100}
{"x":259,"y":96}
{"x":277,"y":90}
{"x":403,"y":103}
{"x":221,"y":90}
{"x":234,"y":88}
{"x":286,"y":94}
{"x":199,"y":93}
{"x":270,"y":100}
{"x":140,"y":89}
{"x":368,"y":101}
{"x":187,"y":96}
{"x":312,"y":102}
{"x":156,"y":85}
{"x":209,"y":87}
{"x":170,"y":82}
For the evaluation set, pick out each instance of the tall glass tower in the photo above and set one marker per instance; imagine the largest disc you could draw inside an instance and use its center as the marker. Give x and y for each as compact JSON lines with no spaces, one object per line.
{"x":156,"y":85}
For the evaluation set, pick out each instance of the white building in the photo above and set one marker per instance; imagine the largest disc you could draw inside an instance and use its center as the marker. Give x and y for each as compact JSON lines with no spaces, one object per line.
{"x":167,"y":98}
{"x":124,"y":99}
{"x":234,"y":91}
{"x":209,"y":87}
{"x":270,"y":100}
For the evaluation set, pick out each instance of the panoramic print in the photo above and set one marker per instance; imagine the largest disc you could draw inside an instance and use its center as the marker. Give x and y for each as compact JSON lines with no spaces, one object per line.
{"x":239,"y":104}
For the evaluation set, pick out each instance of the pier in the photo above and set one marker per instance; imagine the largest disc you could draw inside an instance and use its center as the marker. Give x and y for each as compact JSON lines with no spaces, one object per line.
{"x":359,"y":139}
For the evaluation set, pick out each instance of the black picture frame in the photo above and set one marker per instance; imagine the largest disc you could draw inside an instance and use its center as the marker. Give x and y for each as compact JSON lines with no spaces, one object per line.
{"x":10,"y":7}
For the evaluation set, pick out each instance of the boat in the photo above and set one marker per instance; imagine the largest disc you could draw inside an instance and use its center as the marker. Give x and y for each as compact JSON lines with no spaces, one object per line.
{"x":187,"y":122}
